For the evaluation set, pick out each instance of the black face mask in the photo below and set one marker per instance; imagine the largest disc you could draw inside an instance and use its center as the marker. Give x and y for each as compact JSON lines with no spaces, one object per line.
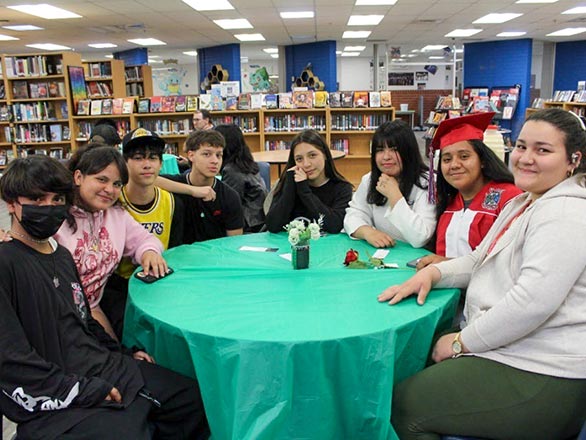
{"x":42,"y":222}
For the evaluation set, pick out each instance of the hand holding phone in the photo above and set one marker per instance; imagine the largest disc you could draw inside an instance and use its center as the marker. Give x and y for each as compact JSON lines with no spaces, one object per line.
{"x":151,"y":278}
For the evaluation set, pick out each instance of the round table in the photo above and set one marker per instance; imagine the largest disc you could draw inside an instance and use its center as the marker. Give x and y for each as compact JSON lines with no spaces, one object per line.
{"x":282,"y":353}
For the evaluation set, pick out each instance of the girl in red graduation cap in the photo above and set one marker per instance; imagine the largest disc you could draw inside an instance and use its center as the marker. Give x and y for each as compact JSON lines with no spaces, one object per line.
{"x":473,"y":185}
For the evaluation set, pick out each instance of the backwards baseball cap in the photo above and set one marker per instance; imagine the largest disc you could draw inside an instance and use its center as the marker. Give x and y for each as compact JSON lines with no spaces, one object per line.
{"x":106,"y":134}
{"x":141,"y":137}
{"x":463,"y":128}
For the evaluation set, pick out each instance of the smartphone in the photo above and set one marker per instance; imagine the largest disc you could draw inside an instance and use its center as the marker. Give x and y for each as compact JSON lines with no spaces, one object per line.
{"x":151,"y":278}
{"x":413,"y":263}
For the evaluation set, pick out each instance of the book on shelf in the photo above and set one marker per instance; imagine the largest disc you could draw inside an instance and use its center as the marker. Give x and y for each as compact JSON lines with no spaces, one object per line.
{"x":5,"y":113}
{"x":360,"y":99}
{"x":385,"y":98}
{"x":302,"y":99}
{"x":66,"y":133}
{"x":205,"y":102}
{"x":347,"y":99}
{"x":480,"y":104}
{"x":96,"y":107}
{"x":168,"y":104}
{"x":191,"y":103}
{"x":180,"y":103}
{"x":374,"y":99}
{"x":33,"y":90}
{"x":321,"y":99}
{"x":42,"y":90}
{"x":217,"y":103}
{"x":144,"y":105}
{"x":53,"y":89}
{"x":230,"y":88}
{"x":64,"y":110}
{"x":271,"y":101}
{"x":3,"y":159}
{"x":231,"y":102}
{"x":107,"y":106}
{"x":335,"y":100}
{"x":56,"y":153}
{"x":83,"y":107}
{"x":2,"y":90}
{"x":285,"y":100}
{"x":117,"y":104}
{"x":255,"y":101}
{"x":56,"y":132}
{"x":216,"y":89}
{"x":156,"y":104}
{"x":454,"y":114}
{"x":244,"y":101}
{"x":128,"y":105}
{"x":20,"y":90}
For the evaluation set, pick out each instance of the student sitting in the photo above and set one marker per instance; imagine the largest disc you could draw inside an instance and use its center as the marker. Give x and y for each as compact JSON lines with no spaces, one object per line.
{"x":61,"y":375}
{"x":473,"y":186}
{"x":391,"y":202}
{"x":215,"y":211}
{"x":310,"y":186}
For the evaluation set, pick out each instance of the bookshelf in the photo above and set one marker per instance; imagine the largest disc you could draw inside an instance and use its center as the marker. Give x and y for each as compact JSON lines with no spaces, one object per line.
{"x":249,"y":122}
{"x":37,"y":90}
{"x":83,"y":126}
{"x":173,"y":127}
{"x":7,"y":150}
{"x":139,"y":80}
{"x":105,"y":79}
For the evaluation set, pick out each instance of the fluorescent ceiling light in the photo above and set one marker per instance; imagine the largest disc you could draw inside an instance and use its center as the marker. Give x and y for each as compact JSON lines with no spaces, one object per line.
{"x":537,"y":1}
{"x":497,"y":18}
{"x":48,"y":46}
{"x":463,"y":32}
{"x":338,"y":52}
{"x":45,"y":11}
{"x":154,"y":61}
{"x":154,"y":56}
{"x":250,"y":37}
{"x":271,"y":50}
{"x":411,"y":55}
{"x":102,"y":45}
{"x":244,"y":59}
{"x":354,"y":48}
{"x":209,"y":5}
{"x":510,"y":34}
{"x":7,"y":38}
{"x":577,"y":10}
{"x":191,"y":53}
{"x":147,"y":42}
{"x":431,"y":47}
{"x":568,"y":32}
{"x":459,"y":50}
{"x":365,"y":20}
{"x":108,"y":56}
{"x":275,"y":55}
{"x":350,"y":54}
{"x":237,"y":23}
{"x":375,"y":2}
{"x":436,"y":57}
{"x":356,"y":34}
{"x":298,"y":14}
{"x":23,"y":27}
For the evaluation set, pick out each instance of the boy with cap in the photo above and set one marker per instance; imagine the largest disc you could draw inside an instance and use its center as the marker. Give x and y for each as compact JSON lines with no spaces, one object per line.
{"x":217,"y":212}
{"x":105,"y":132}
{"x":156,"y":209}
{"x":473,"y":185}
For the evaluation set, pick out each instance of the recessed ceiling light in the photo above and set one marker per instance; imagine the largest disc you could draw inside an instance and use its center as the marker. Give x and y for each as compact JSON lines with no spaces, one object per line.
{"x":7,"y":38}
{"x":537,"y":1}
{"x":207,"y":5}
{"x":102,"y":45}
{"x":431,"y":47}
{"x":147,"y":42}
{"x":463,"y":32}
{"x":250,"y":37}
{"x":48,"y":46}
{"x":271,"y":50}
{"x":436,"y":57}
{"x":354,"y":48}
{"x":497,"y":18}
{"x":568,"y":32}
{"x":297,"y":14}
{"x":237,"y":23}
{"x":108,"y":56}
{"x":365,"y":20}
{"x":577,"y":10}
{"x":191,"y":53}
{"x":510,"y":34}
{"x":275,"y":55}
{"x":375,"y":2}
{"x":350,"y":54}
{"x":356,"y":34}
{"x":23,"y":27}
{"x":45,"y":11}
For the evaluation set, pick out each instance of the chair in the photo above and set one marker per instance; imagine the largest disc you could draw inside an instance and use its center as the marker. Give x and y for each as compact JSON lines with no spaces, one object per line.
{"x":265,"y":173}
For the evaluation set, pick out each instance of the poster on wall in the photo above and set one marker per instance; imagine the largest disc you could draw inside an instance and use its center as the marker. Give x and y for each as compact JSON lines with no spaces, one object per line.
{"x":256,"y":78}
{"x":421,"y":76}
{"x":171,"y":81}
{"x":401,"y":79}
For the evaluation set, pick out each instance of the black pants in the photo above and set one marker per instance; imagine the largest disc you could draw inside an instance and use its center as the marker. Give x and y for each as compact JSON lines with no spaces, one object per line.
{"x":113,"y":302}
{"x":180,"y":416}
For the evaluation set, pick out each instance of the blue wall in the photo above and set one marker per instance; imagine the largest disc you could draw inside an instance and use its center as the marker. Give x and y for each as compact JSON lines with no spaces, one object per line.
{"x":133,"y":57}
{"x":570,"y":65}
{"x":322,"y":56}
{"x":501,"y":63}
{"x":227,"y":55}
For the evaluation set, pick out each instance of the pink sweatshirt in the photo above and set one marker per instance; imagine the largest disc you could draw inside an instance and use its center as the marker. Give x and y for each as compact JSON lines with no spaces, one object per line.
{"x":101,"y":240}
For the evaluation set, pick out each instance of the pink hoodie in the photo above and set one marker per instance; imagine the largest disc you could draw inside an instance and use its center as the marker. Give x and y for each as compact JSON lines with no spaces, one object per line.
{"x":101,"y":240}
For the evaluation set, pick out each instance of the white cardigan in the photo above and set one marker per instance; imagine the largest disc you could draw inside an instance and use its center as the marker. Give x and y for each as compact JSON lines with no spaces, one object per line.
{"x":526,"y":301}
{"x":412,"y":219}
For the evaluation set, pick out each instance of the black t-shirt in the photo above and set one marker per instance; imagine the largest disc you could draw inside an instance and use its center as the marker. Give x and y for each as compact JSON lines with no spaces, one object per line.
{"x":209,"y":220}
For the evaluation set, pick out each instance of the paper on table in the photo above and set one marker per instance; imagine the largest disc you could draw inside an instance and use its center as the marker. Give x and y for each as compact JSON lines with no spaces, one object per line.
{"x":380,"y":253}
{"x":287,"y":257}
{"x":257,"y":249}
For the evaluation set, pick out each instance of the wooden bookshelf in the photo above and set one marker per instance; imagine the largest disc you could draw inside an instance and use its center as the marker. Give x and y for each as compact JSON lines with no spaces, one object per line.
{"x":139,"y":80}
{"x":105,"y":79}
{"x":83,"y":126}
{"x":7,"y":149}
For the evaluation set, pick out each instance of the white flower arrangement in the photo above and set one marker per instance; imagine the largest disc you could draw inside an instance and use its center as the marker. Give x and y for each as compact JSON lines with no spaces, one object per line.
{"x":301,"y":230}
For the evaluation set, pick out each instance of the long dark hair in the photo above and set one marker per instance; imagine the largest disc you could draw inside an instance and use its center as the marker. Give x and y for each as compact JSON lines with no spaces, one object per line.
{"x":236,"y":150}
{"x":492,"y":168}
{"x":313,"y":138}
{"x":396,"y":134}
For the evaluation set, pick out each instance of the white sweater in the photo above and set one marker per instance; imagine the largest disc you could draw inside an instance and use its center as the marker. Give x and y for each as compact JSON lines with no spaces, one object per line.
{"x":526,"y":301}
{"x":412,"y":219}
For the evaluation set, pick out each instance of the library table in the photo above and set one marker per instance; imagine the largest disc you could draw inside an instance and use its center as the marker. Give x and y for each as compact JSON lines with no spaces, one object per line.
{"x":280,"y":157}
{"x":282,"y":353}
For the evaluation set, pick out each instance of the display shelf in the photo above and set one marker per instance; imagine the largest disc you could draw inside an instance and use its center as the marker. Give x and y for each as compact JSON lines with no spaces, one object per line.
{"x":139,"y":80}
{"x":105,"y":79}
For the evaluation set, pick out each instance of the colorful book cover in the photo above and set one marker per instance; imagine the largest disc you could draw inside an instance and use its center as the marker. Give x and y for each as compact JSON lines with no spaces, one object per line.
{"x":56,"y":132}
{"x":144,"y":105}
{"x":34,"y":90}
{"x":347,"y":99}
{"x":156,"y":102}
{"x":107,"y":107}
{"x":360,"y":99}
{"x":335,"y":100}
{"x":96,"y":107}
{"x":302,"y":99}
{"x":83,"y":107}
{"x":321,"y":98}
{"x":217,"y":103}
{"x":53,"y":89}
{"x":231,"y":102}
{"x":255,"y":100}
{"x":191,"y":103}
{"x":117,"y":106}
{"x":271,"y":101}
{"x":20,"y":90}
{"x":385,"y":98}
{"x":285,"y":100}
{"x":374,"y":99}
{"x":168,"y":104}
{"x":43,"y":90}
{"x":128,"y":106}
{"x":244,"y":101}
{"x":205,"y":102}
{"x":180,"y":103}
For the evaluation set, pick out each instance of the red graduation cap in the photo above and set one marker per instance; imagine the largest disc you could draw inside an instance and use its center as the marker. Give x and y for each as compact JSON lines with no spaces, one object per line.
{"x":464,"y":128}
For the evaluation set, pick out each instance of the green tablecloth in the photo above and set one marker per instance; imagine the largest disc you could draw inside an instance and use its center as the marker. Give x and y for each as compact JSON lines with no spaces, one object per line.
{"x":282,"y":353}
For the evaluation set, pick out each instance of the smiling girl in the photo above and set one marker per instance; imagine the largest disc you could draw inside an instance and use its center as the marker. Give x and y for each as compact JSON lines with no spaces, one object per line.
{"x":310,"y":186}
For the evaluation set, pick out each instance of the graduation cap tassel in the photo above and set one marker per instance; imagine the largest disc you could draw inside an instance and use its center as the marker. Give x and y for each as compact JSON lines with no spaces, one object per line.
{"x":431,"y":191}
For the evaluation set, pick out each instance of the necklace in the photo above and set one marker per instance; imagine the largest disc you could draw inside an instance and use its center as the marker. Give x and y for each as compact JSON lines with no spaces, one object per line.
{"x":28,"y":238}
{"x":56,"y":282}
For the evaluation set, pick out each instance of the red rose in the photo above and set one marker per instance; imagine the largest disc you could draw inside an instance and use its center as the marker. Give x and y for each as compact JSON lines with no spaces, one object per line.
{"x":351,"y":256}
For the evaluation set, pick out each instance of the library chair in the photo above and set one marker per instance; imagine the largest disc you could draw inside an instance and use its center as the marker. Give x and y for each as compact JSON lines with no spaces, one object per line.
{"x":265,"y":173}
